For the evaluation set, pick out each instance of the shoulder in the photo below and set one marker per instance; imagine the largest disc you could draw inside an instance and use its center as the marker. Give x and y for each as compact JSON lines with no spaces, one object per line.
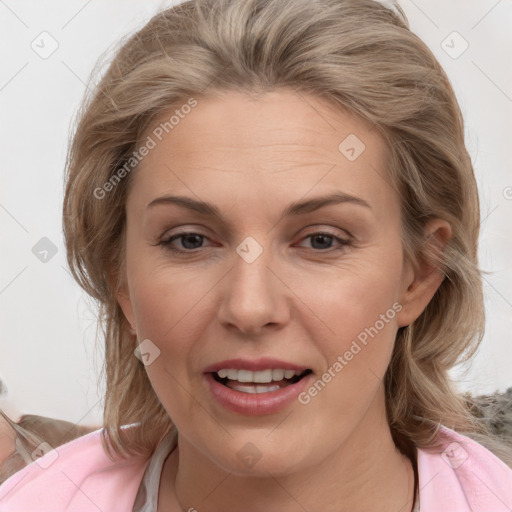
{"x":77,"y":476}
{"x":462,"y":475}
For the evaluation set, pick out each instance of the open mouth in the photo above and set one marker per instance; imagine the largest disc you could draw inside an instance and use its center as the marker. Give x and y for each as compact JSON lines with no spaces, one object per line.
{"x":264,"y":381}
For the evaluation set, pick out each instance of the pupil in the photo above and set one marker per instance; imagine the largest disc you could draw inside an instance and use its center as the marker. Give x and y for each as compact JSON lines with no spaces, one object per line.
{"x":326,"y":241}
{"x":187,"y":238}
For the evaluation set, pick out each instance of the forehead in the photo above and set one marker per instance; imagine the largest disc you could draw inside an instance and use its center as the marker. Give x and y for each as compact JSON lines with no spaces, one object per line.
{"x":283,"y":143}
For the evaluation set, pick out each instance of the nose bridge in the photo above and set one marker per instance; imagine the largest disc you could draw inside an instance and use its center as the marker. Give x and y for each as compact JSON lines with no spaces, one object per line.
{"x":252,"y":297}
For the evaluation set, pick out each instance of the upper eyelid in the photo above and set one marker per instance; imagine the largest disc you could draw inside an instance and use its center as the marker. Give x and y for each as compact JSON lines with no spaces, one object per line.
{"x":184,"y":232}
{"x":230,"y":233}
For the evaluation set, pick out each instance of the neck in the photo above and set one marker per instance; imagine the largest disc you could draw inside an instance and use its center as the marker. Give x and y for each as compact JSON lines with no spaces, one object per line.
{"x":366,"y":472}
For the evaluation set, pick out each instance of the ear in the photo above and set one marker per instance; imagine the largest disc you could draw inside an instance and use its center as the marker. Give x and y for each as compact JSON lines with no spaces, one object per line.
{"x":420,"y":284}
{"x":123,"y":298}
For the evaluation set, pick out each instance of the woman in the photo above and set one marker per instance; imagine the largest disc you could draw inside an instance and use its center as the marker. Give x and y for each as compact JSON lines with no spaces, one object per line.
{"x":273,"y":204}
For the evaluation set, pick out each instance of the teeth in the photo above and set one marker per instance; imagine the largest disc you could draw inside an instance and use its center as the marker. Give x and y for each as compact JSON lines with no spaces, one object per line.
{"x":222,"y":374}
{"x":260,"y":377}
{"x":278,"y":374}
{"x":254,"y":389}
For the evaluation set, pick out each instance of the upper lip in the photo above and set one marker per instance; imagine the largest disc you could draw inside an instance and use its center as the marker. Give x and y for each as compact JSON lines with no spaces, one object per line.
{"x":264,"y":363}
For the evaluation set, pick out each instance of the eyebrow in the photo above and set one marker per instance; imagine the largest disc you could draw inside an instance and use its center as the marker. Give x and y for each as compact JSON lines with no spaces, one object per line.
{"x":295,"y":208}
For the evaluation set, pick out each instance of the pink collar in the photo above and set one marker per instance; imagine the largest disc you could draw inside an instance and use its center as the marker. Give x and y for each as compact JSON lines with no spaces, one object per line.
{"x":463,"y":476}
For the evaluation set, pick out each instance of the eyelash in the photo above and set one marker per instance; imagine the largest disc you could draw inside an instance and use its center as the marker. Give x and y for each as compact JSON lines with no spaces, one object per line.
{"x":167,"y":243}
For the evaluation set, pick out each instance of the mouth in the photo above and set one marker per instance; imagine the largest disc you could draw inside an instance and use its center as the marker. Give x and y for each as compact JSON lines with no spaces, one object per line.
{"x":254,"y":387}
{"x":256,"y":382}
{"x":261,"y":387}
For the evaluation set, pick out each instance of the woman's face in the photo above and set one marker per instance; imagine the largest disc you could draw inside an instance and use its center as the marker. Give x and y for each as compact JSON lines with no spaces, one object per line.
{"x":283,"y":252}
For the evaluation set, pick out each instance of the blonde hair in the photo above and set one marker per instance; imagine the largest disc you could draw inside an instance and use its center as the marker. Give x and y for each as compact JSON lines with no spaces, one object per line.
{"x":358,"y":54}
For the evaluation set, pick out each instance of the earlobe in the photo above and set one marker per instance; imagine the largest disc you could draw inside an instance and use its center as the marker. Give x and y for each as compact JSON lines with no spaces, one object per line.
{"x":421,"y":283}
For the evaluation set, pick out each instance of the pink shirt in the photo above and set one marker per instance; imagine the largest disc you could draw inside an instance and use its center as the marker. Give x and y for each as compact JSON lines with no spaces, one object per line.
{"x":79,"y":477}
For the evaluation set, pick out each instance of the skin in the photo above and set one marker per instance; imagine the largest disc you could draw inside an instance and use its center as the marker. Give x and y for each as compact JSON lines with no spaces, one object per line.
{"x":299,"y":301}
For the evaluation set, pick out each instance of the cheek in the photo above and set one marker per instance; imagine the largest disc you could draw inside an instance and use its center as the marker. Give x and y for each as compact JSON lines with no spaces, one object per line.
{"x":172,"y":310}
{"x":170,"y":314}
{"x":355,"y":321}
{"x":356,"y":350}
{"x":352,"y":298}
{"x":164,"y":297}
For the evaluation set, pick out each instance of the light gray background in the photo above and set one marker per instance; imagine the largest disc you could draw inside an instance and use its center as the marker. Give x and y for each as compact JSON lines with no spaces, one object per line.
{"x":50,"y":358}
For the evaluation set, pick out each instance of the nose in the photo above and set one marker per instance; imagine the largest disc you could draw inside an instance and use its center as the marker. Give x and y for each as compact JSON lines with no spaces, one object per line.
{"x":254,"y":297}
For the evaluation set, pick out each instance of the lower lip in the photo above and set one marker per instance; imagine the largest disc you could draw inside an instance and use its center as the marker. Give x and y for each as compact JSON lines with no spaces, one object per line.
{"x":253,"y":404}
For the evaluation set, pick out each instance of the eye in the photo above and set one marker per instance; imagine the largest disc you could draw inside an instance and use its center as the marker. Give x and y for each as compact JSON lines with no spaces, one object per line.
{"x":322,"y":241}
{"x":189,"y":241}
